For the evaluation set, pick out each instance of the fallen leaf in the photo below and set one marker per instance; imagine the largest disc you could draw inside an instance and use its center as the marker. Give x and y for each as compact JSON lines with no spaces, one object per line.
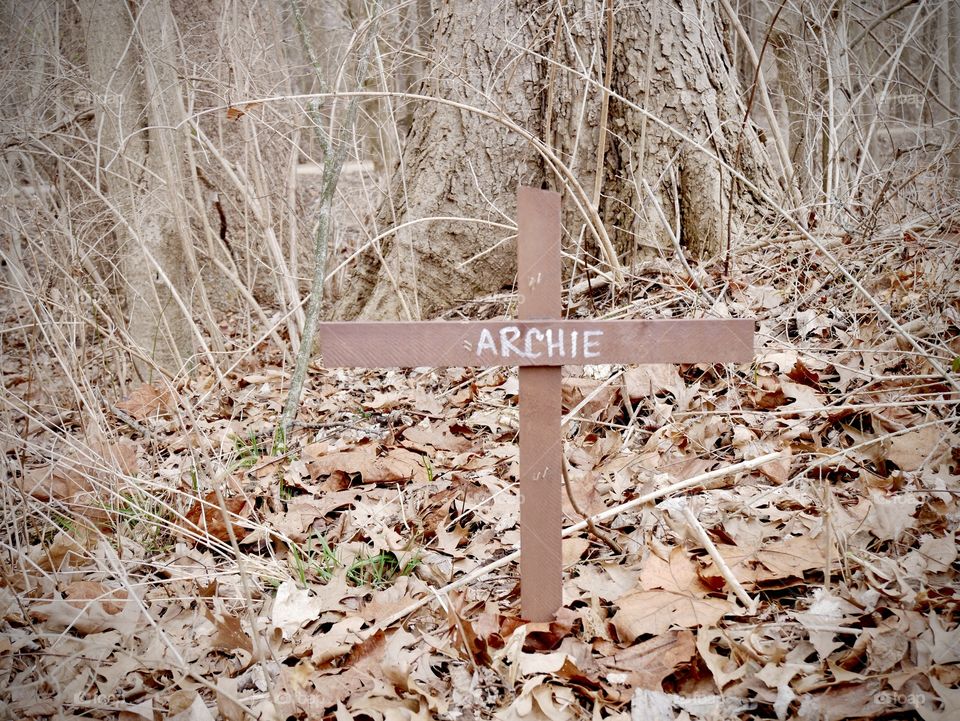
{"x":777,"y":470}
{"x":396,"y":465}
{"x":655,"y":612}
{"x":229,"y":635}
{"x":890,"y":516}
{"x":142,"y":711}
{"x":204,"y":519}
{"x":575,"y":390}
{"x":607,"y":582}
{"x":723,"y":666}
{"x":428,"y":435}
{"x":645,"y":381}
{"x":909,"y":450}
{"x":539,"y":701}
{"x":801,"y":374}
{"x":80,"y":593}
{"x":89,"y":608}
{"x":646,"y":664}
{"x":573,"y":549}
{"x":766,"y":561}
{"x":196,"y":711}
{"x":308,"y":690}
{"x":145,"y":401}
{"x":336,"y":641}
{"x":821,"y":619}
{"x":293,"y":608}
{"x":768,"y":394}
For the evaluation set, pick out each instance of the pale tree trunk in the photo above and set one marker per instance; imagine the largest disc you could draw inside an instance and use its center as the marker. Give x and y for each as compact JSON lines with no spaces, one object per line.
{"x":136,"y":166}
{"x":796,"y":81}
{"x":24,"y":102}
{"x":242,"y":184}
{"x":333,"y":26}
{"x":828,"y":133}
{"x":542,"y":67}
{"x":948,"y":77}
{"x":448,"y":153}
{"x":838,"y":143}
{"x":813,"y":60}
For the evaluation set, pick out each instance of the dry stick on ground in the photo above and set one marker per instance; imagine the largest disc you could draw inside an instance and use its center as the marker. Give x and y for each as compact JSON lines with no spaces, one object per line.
{"x":613,"y":545}
{"x":334,"y":152}
{"x":698,"y":480}
{"x":679,"y":505}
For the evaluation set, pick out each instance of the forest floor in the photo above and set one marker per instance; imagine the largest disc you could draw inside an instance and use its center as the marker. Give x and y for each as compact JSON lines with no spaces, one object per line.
{"x":125,"y":594}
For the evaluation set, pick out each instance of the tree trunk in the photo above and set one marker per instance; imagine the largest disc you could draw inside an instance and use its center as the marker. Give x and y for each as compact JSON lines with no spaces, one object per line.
{"x":197,"y":200}
{"x":134,"y":162}
{"x":693,"y":88}
{"x":948,"y":79}
{"x":796,"y":81}
{"x":838,"y":146}
{"x":544,"y":71}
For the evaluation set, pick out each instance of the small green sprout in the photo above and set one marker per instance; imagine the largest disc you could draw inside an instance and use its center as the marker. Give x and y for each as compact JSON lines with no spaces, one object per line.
{"x":379,"y":570}
{"x":247,"y":451}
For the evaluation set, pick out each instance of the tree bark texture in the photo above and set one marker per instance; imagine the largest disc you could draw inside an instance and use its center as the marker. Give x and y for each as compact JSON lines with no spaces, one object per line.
{"x":134,"y":156}
{"x":948,"y":79}
{"x":200,"y":201}
{"x":543,"y":67}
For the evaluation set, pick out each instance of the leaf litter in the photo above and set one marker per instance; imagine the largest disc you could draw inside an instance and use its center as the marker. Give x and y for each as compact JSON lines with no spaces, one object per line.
{"x":178,"y":560}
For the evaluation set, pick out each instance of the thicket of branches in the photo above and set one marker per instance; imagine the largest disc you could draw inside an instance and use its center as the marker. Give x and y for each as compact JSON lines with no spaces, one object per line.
{"x":859,"y":103}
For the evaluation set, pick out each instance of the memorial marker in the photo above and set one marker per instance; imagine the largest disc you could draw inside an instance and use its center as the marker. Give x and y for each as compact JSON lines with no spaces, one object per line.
{"x":539,"y":342}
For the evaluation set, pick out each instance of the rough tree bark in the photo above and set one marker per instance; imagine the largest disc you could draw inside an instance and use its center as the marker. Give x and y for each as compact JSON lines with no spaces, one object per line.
{"x":542,"y":66}
{"x":200,"y":202}
{"x":948,"y":78}
{"x":130,"y":95}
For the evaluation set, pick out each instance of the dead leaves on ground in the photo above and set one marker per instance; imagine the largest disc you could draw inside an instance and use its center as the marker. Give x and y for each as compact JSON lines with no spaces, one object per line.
{"x":401,"y":482}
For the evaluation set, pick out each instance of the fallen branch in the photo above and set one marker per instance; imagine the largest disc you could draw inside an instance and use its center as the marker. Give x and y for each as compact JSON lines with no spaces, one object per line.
{"x":591,"y":526}
{"x":680,"y":504}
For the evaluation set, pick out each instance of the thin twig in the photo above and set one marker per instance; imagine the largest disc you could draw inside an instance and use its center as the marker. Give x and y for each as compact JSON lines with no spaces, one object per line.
{"x":680,"y":504}
{"x":333,"y":157}
{"x":591,"y":526}
{"x":604,"y":110}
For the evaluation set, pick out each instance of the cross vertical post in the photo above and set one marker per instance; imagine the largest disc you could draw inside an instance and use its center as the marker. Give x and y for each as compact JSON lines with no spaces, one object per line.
{"x":541,"y":443}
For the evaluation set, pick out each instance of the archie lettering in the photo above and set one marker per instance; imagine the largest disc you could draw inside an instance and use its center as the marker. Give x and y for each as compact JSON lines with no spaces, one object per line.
{"x":552,"y":342}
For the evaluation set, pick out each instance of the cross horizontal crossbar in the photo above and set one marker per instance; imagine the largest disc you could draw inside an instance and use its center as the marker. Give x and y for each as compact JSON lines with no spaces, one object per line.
{"x":534,"y":343}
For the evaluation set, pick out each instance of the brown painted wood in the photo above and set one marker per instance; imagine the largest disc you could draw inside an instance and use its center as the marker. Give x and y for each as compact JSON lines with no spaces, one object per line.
{"x":541,"y":440}
{"x":492,"y":343}
{"x":539,"y":342}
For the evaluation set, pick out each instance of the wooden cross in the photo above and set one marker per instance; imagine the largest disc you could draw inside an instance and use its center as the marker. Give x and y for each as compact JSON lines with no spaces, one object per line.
{"x":539,"y":342}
